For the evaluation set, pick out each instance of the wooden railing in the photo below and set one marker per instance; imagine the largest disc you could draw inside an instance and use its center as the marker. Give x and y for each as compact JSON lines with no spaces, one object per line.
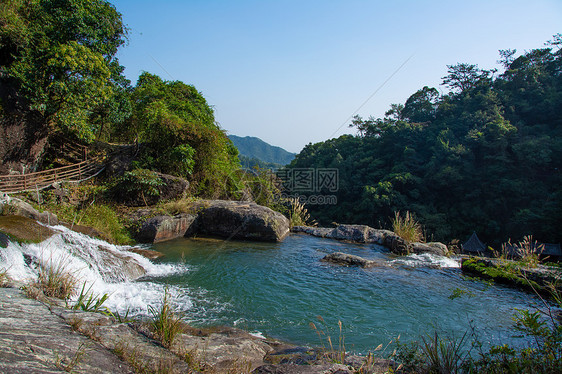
{"x":32,"y":181}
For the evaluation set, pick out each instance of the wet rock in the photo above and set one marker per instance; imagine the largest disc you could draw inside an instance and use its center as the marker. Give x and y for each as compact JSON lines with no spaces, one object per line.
{"x":24,"y":229}
{"x":109,"y":260}
{"x":345,"y":259}
{"x":241,"y":220}
{"x":396,"y":244}
{"x":321,"y":232}
{"x":148,"y":253}
{"x":435,"y":248}
{"x":161,"y":228}
{"x":86,"y":230}
{"x":352,"y":233}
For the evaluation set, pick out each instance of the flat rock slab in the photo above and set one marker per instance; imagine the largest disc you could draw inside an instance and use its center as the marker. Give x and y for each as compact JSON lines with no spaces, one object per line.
{"x":24,"y":229}
{"x":33,"y":340}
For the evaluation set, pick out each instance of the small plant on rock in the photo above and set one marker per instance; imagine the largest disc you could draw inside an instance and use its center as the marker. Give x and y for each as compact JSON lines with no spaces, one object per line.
{"x":165,"y":324}
{"x":407,"y":227}
{"x":55,"y":280}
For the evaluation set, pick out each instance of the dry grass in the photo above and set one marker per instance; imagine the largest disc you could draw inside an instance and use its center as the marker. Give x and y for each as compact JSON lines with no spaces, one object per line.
{"x":334,"y":354}
{"x":407,"y":227}
{"x":4,"y":279}
{"x":526,"y":251}
{"x":298,"y":214}
{"x":55,"y":280}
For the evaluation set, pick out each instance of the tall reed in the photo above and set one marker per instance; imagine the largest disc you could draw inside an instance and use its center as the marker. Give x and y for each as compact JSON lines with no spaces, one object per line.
{"x":407,"y":227}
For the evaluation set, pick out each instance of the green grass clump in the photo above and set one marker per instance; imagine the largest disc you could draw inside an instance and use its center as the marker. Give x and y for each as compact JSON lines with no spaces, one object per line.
{"x":166,"y":325}
{"x":407,"y":227}
{"x":104,"y":219}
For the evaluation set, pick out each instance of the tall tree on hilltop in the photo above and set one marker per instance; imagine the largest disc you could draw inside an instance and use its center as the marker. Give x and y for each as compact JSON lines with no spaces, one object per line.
{"x":58,"y":57}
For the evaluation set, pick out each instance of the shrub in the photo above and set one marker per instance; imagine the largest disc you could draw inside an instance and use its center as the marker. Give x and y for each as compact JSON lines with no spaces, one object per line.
{"x":137,"y":185}
{"x":298,"y":214}
{"x":104,"y":219}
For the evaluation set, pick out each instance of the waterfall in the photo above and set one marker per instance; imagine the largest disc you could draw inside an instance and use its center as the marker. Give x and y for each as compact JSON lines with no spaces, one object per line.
{"x":130,"y":280}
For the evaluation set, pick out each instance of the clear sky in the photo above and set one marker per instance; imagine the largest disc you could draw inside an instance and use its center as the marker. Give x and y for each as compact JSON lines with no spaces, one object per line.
{"x":292,"y":72}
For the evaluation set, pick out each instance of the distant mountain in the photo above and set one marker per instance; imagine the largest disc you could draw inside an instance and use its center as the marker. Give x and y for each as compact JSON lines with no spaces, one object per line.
{"x":252,"y":147}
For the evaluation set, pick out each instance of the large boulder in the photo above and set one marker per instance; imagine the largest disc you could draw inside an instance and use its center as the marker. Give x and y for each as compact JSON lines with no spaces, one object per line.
{"x":241,"y":220}
{"x":161,"y":228}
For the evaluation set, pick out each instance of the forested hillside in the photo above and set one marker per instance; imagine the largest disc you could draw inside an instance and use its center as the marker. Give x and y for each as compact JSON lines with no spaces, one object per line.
{"x":485,"y":157}
{"x":253,"y":147}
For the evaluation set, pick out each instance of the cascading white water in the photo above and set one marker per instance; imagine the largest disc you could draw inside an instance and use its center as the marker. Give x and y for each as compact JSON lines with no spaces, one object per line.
{"x":103,"y":267}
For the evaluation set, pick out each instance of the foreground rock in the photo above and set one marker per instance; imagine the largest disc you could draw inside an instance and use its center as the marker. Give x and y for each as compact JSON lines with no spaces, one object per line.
{"x":345,"y":259}
{"x":43,"y":337}
{"x":369,"y":235}
{"x":34,"y":340}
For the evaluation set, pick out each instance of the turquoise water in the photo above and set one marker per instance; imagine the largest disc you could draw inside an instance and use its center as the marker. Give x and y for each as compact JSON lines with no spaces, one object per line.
{"x":278,"y":289}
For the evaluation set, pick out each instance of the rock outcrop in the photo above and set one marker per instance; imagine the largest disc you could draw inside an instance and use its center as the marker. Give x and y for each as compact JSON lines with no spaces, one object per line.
{"x":34,"y":340}
{"x":241,"y":220}
{"x":369,"y":235}
{"x":225,"y":219}
{"x":13,"y":206}
{"x":345,"y":259}
{"x":41,"y":336}
{"x":161,"y":228}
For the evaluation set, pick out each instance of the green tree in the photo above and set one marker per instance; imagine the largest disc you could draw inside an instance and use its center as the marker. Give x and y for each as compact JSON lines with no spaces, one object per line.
{"x":181,"y":136}
{"x":59,"y":57}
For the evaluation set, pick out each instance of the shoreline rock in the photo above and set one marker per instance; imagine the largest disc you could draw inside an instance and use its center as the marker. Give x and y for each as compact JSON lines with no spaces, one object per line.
{"x":345,"y":259}
{"x":221,"y":218}
{"x":368,"y":235}
{"x":108,"y":346}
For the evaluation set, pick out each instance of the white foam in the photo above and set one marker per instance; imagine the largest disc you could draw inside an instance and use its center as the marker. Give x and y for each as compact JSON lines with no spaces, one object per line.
{"x":97,"y":269}
{"x":427,"y":259}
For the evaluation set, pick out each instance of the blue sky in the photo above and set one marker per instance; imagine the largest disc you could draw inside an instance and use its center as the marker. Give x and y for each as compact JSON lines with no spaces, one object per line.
{"x":293,"y":72}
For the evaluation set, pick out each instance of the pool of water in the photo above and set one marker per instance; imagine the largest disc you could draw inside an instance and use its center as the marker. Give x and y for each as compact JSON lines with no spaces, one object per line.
{"x":278,"y":289}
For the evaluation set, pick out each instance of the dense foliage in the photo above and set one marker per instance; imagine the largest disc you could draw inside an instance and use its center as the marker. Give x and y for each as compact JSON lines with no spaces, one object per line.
{"x":180,"y":135}
{"x":57,"y":57}
{"x":485,"y":157}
